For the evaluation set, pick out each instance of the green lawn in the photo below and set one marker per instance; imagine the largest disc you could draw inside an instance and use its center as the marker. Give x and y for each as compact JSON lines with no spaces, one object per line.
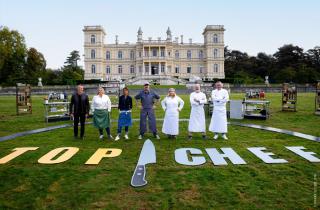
{"x":26,"y":184}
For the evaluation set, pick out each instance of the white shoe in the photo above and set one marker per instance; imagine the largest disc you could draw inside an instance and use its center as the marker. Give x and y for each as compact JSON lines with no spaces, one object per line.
{"x":126,"y":136}
{"x":117,"y":138}
{"x":224,"y":136}
{"x":157,"y":136}
{"x":215,"y":136}
{"x":101,"y":137}
{"x":140,"y":137}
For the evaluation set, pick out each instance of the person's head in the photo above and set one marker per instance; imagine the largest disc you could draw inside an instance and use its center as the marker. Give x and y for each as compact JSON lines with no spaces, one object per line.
{"x":197,"y":88}
{"x":100,"y":91}
{"x":172,"y":92}
{"x":219,"y":85}
{"x":80,"y":89}
{"x":125,"y":91}
{"x":146,"y":86}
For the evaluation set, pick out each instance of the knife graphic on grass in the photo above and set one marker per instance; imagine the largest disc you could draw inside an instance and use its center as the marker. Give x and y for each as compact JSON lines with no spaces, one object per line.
{"x":147,"y":155}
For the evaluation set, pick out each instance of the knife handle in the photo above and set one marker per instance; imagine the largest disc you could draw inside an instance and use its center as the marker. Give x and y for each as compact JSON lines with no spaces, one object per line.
{"x":138,"y":178}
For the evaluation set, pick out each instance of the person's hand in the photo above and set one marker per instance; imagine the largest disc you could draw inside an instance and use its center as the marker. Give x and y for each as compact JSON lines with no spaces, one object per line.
{"x":178,"y":110}
{"x":71,"y":115}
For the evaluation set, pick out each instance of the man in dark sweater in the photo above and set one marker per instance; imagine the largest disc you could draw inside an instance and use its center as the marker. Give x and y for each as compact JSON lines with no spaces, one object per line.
{"x":79,"y":110}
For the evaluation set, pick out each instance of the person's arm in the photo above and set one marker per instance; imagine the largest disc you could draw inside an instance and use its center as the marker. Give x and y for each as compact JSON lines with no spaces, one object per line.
{"x":87,"y":105}
{"x":163,"y":104}
{"x":108,"y":104}
{"x":138,"y":100}
{"x":130,"y":103}
{"x":192,"y":101}
{"x":181,"y":103}
{"x":203,"y":99}
{"x":225,"y":98}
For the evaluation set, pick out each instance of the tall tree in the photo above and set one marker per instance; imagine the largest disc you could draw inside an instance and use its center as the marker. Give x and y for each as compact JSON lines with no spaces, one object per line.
{"x":13,"y":51}
{"x":35,"y":65}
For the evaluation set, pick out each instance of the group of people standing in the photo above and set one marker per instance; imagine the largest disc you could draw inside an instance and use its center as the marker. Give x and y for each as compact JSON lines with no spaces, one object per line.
{"x":146,"y":101}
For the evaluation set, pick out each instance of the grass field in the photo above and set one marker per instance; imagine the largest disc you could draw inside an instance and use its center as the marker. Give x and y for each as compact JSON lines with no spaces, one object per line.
{"x":26,"y":184}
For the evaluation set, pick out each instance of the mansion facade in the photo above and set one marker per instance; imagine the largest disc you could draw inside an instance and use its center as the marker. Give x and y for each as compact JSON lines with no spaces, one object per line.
{"x":154,"y":57}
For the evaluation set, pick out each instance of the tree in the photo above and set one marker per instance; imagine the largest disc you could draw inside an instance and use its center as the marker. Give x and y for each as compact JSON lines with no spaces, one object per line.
{"x":35,"y":65}
{"x":73,"y":59}
{"x":13,"y":52}
{"x":71,"y":71}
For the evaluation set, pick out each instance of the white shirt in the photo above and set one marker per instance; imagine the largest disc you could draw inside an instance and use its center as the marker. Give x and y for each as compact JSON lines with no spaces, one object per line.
{"x":220,"y":98}
{"x":103,"y":102}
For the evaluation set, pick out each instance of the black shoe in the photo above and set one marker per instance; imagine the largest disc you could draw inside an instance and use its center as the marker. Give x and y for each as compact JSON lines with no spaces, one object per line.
{"x":204,"y":137}
{"x":189,"y":137}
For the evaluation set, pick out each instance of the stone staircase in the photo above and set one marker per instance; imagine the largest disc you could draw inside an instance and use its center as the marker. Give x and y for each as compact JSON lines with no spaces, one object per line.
{"x":155,"y":79}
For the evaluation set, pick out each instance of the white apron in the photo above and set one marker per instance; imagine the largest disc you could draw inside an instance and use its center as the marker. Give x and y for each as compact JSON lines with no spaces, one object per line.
{"x":171,"y":119}
{"x":197,"y":121}
{"x":218,"y":122}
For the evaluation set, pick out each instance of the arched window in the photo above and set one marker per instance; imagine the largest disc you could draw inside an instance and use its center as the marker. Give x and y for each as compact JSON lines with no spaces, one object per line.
{"x":131,"y":55}
{"x":200,"y":54}
{"x":177,"y":54}
{"x":93,"y":54}
{"x":215,"y":68}
{"x":93,"y":68}
{"x":108,"y":55}
{"x":120,"y":69}
{"x":132,"y":69}
{"x":108,"y":71}
{"x":215,"y":38}
{"x":189,"y":54}
{"x":119,"y":54}
{"x":93,"y":39}
{"x":215,"y":53}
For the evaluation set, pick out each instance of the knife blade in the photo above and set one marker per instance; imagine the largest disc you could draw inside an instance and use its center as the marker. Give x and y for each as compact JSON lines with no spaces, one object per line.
{"x":147,"y":155}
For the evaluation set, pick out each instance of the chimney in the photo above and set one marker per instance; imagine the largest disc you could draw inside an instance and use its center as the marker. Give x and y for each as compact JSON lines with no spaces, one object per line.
{"x":116,"y":39}
{"x":190,"y":41}
{"x":181,"y":39}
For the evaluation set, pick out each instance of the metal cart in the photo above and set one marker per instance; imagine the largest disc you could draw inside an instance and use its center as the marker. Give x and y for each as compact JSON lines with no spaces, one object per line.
{"x":256,"y":109}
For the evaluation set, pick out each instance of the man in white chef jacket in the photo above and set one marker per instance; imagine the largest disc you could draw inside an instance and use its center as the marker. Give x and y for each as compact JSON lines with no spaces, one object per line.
{"x":218,"y":124}
{"x":197,"y":121}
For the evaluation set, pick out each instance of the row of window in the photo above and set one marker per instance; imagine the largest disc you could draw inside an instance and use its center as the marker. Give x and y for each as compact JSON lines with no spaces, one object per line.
{"x":215,"y":39}
{"x":132,"y":69}
{"x":177,"y":55}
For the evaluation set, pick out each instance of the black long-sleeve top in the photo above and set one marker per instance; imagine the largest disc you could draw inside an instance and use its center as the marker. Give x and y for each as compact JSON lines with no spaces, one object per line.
{"x":125,"y":103}
{"x":79,"y":104}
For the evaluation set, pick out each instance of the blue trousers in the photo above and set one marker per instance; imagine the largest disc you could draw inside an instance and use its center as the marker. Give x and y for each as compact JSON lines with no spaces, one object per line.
{"x":144,"y":114}
{"x":126,"y":128}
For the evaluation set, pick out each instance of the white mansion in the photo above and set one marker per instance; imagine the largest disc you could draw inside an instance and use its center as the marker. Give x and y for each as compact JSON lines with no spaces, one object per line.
{"x":152,"y":59}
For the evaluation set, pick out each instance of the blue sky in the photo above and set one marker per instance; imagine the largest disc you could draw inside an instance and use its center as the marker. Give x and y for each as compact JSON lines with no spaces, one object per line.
{"x":54,"y":27}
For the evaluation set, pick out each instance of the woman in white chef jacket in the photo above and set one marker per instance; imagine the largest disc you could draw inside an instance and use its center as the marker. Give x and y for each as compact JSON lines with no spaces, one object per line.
{"x":218,"y":123}
{"x":172,"y":105}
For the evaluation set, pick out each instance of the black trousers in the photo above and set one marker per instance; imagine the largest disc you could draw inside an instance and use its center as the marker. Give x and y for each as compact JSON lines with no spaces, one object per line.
{"x":107,"y":130}
{"x":82,"y":118}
